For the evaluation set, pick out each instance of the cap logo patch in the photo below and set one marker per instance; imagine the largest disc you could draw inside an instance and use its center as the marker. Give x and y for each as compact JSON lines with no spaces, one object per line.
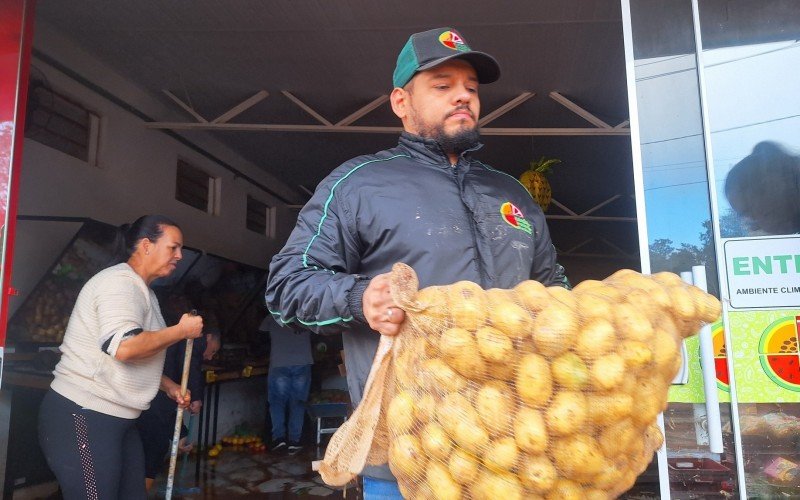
{"x":514,"y":217}
{"x":452,"y":40}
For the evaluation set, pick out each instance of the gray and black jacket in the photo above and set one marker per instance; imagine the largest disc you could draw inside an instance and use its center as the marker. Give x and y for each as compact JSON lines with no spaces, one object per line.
{"x":405,"y":204}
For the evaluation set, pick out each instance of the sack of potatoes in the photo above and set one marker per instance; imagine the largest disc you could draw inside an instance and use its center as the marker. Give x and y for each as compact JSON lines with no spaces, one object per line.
{"x":533,"y":392}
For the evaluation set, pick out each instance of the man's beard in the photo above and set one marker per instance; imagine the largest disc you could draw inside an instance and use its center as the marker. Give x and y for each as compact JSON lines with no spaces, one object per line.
{"x":455,"y":143}
{"x":462,"y":140}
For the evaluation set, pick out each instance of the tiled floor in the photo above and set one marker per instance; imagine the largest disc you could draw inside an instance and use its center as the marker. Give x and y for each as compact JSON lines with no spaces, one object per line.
{"x":241,"y":474}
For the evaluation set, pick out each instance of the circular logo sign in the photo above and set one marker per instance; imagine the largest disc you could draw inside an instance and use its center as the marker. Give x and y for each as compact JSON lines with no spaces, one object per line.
{"x":778,"y":353}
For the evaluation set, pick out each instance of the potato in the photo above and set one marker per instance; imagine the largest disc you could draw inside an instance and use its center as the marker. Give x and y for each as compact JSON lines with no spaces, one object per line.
{"x":608,"y":372}
{"x":433,"y":301}
{"x":653,"y":438}
{"x":425,"y":408}
{"x":400,"y":416}
{"x":532,"y":295}
{"x":469,"y":364}
{"x":441,"y":484}
{"x":495,"y":406}
{"x":667,"y":279}
{"x":502,"y":453}
{"x":470,"y":436}
{"x":596,"y":494}
{"x":618,"y":436}
{"x":609,"y":408}
{"x":530,"y":431}
{"x":564,"y":489}
{"x":570,"y":372}
{"x":631,"y":323}
{"x":566,"y":414}
{"x":456,"y":340}
{"x":468,"y":305}
{"x":496,"y":485}
{"x":403,"y":369}
{"x":612,"y":473}
{"x":501,"y":371}
{"x":463,"y":466}
{"x":649,"y":399}
{"x":666,"y":349}
{"x":578,"y":457}
{"x":537,"y":473}
{"x":506,"y":316}
{"x":534,"y":381}
{"x":636,"y":354}
{"x":494,"y":345}
{"x":435,"y":441}
{"x":707,"y":307}
{"x":595,"y":338}
{"x":593,"y":306}
{"x":682,"y":302}
{"x":555,"y":329}
{"x":406,"y":458}
{"x":408,"y":490}
{"x":642,"y":301}
{"x":585,"y":285}
{"x":441,"y":377}
{"x":620,"y":274}
{"x":454,"y":408}
{"x":610,"y":292}
{"x":561,"y":294}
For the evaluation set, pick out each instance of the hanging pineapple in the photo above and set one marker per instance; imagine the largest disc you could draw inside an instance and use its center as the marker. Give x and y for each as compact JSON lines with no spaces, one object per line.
{"x":535,"y":181}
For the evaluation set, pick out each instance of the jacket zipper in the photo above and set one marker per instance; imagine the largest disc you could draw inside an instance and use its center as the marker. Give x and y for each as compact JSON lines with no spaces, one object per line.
{"x":473,"y":226}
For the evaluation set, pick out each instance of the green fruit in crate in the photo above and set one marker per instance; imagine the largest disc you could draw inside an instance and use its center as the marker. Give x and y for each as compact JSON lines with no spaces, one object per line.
{"x":535,"y":181}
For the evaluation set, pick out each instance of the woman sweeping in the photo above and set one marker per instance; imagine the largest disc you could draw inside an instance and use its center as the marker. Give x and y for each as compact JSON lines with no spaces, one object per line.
{"x":110,"y":369}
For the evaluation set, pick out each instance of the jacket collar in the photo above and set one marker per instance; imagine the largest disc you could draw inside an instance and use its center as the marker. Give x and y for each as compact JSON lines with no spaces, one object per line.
{"x":427,"y":149}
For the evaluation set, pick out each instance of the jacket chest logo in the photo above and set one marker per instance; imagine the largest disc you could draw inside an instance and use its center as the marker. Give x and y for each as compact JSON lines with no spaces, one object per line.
{"x":513,"y":215}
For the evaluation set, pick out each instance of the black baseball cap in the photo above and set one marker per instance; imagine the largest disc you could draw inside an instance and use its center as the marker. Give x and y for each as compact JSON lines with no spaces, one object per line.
{"x":431,"y":48}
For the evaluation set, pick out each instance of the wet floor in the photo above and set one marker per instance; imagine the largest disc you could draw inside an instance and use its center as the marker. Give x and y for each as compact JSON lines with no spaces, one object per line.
{"x":242,"y":474}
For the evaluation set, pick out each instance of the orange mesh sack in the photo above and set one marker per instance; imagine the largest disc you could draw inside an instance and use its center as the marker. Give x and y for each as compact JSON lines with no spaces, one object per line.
{"x":533,"y":392}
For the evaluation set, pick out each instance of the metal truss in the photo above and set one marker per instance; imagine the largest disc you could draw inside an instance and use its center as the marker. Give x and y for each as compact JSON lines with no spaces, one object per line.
{"x":222,"y":122}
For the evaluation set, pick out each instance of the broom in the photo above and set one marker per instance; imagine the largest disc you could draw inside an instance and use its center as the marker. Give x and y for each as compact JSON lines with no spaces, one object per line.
{"x":176,"y":435}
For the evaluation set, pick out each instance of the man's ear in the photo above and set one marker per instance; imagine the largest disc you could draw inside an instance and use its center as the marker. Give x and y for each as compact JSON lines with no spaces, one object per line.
{"x":399,"y":100}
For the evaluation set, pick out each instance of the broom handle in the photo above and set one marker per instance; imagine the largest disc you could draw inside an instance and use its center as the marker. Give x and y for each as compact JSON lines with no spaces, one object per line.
{"x":176,"y":436}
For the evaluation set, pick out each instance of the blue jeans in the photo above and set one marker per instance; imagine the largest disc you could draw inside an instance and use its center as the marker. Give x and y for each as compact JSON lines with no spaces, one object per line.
{"x":380,"y":489}
{"x":288,"y":390}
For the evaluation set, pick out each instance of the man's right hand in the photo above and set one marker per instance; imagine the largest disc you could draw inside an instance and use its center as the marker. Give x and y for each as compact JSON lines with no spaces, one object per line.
{"x":382,"y":314}
{"x":191,"y":325}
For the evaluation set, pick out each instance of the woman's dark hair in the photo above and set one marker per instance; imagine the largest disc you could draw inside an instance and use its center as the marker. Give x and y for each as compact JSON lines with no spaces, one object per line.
{"x":764,"y":187}
{"x":146,"y":226}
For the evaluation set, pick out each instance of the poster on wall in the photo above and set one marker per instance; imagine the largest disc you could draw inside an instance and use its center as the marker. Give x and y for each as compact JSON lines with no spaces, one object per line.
{"x":766,"y":360}
{"x":692,"y":390}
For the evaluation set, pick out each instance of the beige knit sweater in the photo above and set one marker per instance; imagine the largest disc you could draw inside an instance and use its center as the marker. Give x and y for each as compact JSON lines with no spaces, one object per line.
{"x":114,"y":302}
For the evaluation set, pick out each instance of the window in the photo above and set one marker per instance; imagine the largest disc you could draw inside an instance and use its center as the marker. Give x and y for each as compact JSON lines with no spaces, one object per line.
{"x":260,"y":217}
{"x":61,"y":123}
{"x":196,"y":188}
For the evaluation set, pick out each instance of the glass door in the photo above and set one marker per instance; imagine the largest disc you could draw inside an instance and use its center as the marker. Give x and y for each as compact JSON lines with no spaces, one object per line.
{"x":674,"y":201}
{"x":749,"y":55}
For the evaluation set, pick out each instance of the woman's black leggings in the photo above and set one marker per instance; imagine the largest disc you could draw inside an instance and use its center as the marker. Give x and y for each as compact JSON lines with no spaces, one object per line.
{"x":93,"y":455}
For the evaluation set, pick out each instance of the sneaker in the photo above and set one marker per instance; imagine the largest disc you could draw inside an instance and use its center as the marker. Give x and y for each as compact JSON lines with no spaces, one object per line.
{"x":277,"y":444}
{"x":294,"y":447}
